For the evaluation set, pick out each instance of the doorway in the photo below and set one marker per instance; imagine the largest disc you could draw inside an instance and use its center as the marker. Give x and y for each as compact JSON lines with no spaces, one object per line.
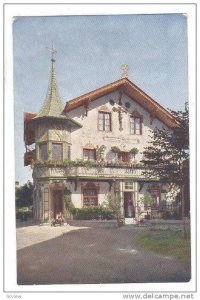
{"x":58,"y":203}
{"x":129,"y":209}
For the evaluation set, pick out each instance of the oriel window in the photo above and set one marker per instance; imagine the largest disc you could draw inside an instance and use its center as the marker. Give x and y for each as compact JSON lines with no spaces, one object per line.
{"x":104,"y":121}
{"x":136,"y":125}
{"x":43,"y":151}
{"x":57,"y":151}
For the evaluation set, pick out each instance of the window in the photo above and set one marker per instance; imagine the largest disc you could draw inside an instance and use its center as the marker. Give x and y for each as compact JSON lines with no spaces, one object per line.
{"x":124,"y":156}
{"x":68,"y":152}
{"x":46,"y":203}
{"x":104,"y":121}
{"x":43,"y":151}
{"x":89,"y":154}
{"x":136,"y":125}
{"x":128,"y":185}
{"x":154,"y":195}
{"x":57,"y":151}
{"x":90,"y":196}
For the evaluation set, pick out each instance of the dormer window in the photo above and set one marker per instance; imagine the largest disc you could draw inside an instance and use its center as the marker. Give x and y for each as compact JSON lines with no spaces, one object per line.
{"x":104,"y":121}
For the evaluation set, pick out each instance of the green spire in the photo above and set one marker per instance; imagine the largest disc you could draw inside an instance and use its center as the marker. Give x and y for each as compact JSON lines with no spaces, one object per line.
{"x":52,"y":106}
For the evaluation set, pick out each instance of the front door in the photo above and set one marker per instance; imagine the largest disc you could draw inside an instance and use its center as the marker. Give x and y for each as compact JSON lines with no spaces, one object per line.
{"x":129,"y":210}
{"x":58,"y":203}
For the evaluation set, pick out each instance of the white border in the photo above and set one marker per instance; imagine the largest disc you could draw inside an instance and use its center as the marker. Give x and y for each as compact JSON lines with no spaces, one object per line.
{"x":12,"y":10}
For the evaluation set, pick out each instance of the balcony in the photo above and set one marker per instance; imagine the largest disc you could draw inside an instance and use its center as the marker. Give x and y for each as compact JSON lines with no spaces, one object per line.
{"x":29,"y":157}
{"x":103,"y":171}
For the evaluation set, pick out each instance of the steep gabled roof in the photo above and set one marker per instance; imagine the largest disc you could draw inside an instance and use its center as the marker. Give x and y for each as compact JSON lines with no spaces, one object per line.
{"x":131,"y":90}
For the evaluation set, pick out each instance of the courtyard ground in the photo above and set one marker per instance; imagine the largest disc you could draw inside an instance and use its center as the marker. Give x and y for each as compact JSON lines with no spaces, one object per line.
{"x":80,"y":255}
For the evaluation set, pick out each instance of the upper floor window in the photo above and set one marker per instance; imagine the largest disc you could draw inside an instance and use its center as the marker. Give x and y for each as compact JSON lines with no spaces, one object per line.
{"x":124,"y":156}
{"x":57,"y":151}
{"x":89,"y":154}
{"x":43,"y":151}
{"x":104,"y":121}
{"x":136,"y":125}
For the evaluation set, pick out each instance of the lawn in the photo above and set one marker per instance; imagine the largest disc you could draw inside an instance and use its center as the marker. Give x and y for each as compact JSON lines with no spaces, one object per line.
{"x":166,"y":242}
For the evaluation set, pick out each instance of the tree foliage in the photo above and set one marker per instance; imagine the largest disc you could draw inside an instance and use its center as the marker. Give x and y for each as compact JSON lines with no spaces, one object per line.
{"x":24,"y":195}
{"x":168,"y":150}
{"x":68,"y":201}
{"x":167,"y":156}
{"x":114,"y":204}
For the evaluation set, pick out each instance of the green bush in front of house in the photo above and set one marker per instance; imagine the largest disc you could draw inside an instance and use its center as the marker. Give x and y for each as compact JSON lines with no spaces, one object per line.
{"x":24,"y":213}
{"x":92,"y":213}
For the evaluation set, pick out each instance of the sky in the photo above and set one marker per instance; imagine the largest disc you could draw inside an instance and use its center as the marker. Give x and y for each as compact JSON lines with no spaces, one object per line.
{"x":90,"y":52}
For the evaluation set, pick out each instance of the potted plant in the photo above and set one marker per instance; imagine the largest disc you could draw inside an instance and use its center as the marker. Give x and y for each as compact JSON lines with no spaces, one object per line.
{"x":134,"y":152}
{"x":115,"y":150}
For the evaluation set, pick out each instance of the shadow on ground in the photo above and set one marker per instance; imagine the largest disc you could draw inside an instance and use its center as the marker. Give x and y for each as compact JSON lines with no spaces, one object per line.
{"x":96,"y":255}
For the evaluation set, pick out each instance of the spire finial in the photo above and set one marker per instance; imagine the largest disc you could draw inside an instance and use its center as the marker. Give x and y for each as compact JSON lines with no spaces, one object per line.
{"x":124,"y":69}
{"x":53,"y":51}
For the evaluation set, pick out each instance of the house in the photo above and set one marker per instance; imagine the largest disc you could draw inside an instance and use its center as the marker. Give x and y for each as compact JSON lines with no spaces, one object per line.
{"x":93,"y":146}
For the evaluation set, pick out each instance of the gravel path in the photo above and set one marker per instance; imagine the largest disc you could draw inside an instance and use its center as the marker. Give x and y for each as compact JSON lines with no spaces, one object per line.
{"x":91,"y":255}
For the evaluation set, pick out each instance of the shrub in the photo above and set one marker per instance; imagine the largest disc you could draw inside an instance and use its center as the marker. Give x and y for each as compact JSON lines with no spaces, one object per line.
{"x":24,"y":215}
{"x":92,"y":213}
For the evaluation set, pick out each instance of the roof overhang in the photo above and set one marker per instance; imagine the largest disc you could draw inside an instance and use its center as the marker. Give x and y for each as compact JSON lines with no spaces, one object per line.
{"x":31,"y":119}
{"x":124,"y":85}
{"x":61,"y":118}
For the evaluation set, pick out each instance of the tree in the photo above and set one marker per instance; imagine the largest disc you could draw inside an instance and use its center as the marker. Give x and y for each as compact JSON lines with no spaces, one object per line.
{"x":113,"y":203}
{"x":24,"y":195}
{"x":168,"y":151}
{"x":69,"y":206}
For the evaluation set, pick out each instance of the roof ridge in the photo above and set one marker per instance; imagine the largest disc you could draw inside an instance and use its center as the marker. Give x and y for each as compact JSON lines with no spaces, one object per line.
{"x":131,"y":89}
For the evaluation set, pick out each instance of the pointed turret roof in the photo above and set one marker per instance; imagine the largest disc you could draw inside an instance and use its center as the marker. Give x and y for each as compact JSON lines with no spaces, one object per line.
{"x":52,"y":106}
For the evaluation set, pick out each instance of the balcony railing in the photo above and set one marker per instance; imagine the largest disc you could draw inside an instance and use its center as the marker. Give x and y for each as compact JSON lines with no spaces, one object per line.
{"x":106,"y":170}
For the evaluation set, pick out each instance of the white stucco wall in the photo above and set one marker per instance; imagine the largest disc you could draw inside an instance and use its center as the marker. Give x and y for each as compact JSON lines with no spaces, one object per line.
{"x":123,"y":139}
{"x":77,"y":197}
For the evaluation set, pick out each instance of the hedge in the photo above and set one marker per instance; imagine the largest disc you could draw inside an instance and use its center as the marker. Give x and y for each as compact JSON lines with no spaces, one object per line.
{"x":92,"y":213}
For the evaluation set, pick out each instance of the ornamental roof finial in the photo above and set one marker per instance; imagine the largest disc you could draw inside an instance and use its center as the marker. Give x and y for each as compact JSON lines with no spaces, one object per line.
{"x":52,"y":106}
{"x":53,"y":51}
{"x":124,"y":69}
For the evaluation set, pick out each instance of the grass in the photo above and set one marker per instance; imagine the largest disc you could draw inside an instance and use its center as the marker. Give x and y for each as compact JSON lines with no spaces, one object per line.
{"x":166,"y":242}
